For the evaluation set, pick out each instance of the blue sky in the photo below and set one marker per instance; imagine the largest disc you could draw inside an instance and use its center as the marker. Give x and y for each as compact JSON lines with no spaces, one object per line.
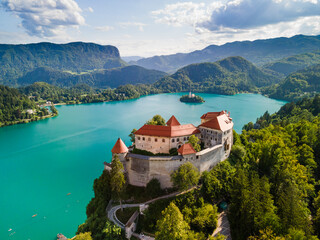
{"x":152,"y":27}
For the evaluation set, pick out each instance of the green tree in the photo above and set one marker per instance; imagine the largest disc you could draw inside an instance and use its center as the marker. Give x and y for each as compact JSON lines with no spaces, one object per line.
{"x":194,"y":141}
{"x":83,"y":236}
{"x":266,"y":234}
{"x":117,"y":180}
{"x":153,"y":188}
{"x":112,"y":232}
{"x":157,"y":120}
{"x":186,"y":176}
{"x":131,"y":135}
{"x":205,"y":219}
{"x":171,"y":225}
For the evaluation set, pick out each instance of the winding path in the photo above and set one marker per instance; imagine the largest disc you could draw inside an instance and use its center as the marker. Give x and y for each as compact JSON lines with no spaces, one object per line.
{"x":222,"y":228}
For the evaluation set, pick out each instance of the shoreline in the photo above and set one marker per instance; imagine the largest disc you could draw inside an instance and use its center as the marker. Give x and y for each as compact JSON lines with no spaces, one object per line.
{"x":23,"y":121}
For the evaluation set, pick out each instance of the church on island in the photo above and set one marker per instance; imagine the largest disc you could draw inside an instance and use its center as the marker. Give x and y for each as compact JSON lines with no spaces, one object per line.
{"x":216,"y":137}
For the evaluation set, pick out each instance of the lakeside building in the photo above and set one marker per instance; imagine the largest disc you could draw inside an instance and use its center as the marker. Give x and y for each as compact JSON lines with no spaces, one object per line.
{"x":215,"y":133}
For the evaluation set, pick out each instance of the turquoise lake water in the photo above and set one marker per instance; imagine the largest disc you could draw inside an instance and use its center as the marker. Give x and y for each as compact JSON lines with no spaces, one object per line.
{"x":42,"y":162}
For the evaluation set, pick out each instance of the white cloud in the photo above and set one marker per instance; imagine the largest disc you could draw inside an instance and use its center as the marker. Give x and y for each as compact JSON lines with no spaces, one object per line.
{"x":235,"y":14}
{"x":90,"y":9}
{"x":139,"y":25}
{"x":104,"y":28}
{"x":45,"y":18}
{"x":183,"y":13}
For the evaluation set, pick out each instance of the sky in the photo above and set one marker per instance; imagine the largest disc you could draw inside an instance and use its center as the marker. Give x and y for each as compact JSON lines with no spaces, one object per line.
{"x":152,"y":27}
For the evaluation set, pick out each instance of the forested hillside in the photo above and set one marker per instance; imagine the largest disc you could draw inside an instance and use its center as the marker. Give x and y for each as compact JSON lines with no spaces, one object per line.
{"x":104,"y":78}
{"x":227,"y":76}
{"x":17,"y":60}
{"x":297,"y":85}
{"x":259,"y":52}
{"x":294,"y":63}
{"x":83,"y":93}
{"x":14,"y":106}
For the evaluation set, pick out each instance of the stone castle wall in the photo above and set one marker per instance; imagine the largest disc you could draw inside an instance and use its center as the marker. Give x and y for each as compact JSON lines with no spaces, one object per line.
{"x":141,"y":169}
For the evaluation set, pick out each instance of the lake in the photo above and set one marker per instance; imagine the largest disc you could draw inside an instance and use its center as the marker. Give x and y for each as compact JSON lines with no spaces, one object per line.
{"x":48,"y":167}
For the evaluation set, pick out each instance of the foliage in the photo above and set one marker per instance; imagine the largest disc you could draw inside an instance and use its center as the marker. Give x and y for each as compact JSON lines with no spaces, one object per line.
{"x":101,"y":78}
{"x":228,"y":76}
{"x":97,"y":222}
{"x":194,"y":141}
{"x":132,"y":136}
{"x":112,"y":232}
{"x":82,"y":93}
{"x":83,"y":236}
{"x":195,"y":99}
{"x":76,"y":57}
{"x":153,"y":188}
{"x":304,"y":83}
{"x":217,"y":183}
{"x":16,"y":107}
{"x":291,"y":64}
{"x":186,"y":176}
{"x":171,"y":225}
{"x":117,"y":180}
{"x":157,"y":120}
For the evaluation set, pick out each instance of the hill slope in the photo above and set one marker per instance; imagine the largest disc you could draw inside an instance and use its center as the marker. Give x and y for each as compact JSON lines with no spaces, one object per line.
{"x":17,"y":60}
{"x":259,"y":52}
{"x":227,"y":76}
{"x":100,"y":78}
{"x":294,"y":63}
{"x":304,"y":83}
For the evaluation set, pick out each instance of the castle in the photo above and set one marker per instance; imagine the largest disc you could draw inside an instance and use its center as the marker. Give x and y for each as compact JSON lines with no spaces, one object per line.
{"x":215,"y":133}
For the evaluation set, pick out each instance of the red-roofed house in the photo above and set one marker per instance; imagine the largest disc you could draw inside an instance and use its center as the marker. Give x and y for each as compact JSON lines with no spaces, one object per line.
{"x":160,"y":139}
{"x":186,"y":149}
{"x":216,"y":128}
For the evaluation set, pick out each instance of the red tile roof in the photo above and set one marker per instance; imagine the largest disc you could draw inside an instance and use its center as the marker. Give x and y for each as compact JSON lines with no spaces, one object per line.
{"x":119,"y":147}
{"x":220,"y":122}
{"x":167,"y":131}
{"x":210,"y":115}
{"x":186,"y":149}
{"x":173,"y":121}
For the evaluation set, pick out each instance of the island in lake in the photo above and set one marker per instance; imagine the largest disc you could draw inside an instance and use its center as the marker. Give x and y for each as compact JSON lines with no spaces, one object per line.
{"x":191,"y":98}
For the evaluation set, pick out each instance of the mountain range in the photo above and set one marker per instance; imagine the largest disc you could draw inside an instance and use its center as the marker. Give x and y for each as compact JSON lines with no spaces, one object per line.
{"x":18,"y":60}
{"x":259,"y":52}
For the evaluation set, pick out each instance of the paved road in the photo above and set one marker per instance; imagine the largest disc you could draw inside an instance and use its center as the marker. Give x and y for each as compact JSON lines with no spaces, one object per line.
{"x":223,"y":226}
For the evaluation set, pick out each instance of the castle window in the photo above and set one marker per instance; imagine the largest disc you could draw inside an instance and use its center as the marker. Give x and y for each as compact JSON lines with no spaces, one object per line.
{"x":138,"y":138}
{"x":184,"y":138}
{"x":188,"y":138}
{"x":172,"y":139}
{"x":197,"y":157}
{"x":143,"y":139}
{"x":163,"y":140}
{"x":177,"y":139}
{"x":156,"y":139}
{"x":149,"y":139}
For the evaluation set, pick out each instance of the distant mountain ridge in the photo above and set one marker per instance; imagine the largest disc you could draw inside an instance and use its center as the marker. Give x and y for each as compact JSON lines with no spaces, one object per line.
{"x":259,"y":52}
{"x":227,"y":76}
{"x":103,"y":78}
{"x":291,"y":64}
{"x":303,"y":83}
{"x":17,"y":60}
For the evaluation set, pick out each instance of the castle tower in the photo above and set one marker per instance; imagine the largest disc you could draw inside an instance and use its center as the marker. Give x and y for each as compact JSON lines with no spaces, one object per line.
{"x":121,"y":150}
{"x":173,"y":121}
